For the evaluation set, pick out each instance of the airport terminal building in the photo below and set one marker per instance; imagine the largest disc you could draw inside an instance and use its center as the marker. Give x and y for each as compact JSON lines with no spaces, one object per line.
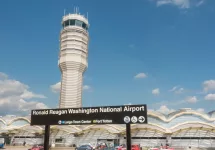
{"x":181,"y":128}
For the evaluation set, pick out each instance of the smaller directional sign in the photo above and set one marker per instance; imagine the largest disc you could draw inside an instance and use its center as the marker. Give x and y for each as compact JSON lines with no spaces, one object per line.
{"x":134,"y":119}
{"x":141,"y":119}
{"x":127,"y":119}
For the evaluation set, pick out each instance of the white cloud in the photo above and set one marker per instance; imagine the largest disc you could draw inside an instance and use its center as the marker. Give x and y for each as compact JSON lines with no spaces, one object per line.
{"x":128,"y":104}
{"x":191,"y":99}
{"x":178,"y":3}
{"x":28,"y":95}
{"x":3,"y":76}
{"x":56,"y":87}
{"x":173,"y":89}
{"x":210,"y":97}
{"x":200,"y":3}
{"x":200,"y":110}
{"x":140,"y":75}
{"x":209,"y":85}
{"x":169,"y":103}
{"x":148,"y":109}
{"x":156,"y":91}
{"x":177,"y":90}
{"x":13,"y":95}
{"x":165,"y":110}
{"x":184,"y":4}
{"x":86,"y":87}
{"x":15,"y":105}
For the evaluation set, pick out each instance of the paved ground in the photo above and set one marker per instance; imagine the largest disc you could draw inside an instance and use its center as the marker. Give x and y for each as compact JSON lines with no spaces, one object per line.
{"x":16,"y":148}
{"x":27,"y":147}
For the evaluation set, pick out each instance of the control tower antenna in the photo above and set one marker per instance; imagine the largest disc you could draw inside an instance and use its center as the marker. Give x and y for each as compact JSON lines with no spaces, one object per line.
{"x":75,"y":10}
{"x":64,"y":12}
{"x":73,"y":58}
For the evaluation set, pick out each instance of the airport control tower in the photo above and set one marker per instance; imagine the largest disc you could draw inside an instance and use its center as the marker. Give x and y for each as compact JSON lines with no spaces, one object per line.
{"x":73,"y":58}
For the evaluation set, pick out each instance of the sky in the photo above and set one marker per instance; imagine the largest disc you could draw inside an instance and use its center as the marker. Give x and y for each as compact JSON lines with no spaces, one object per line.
{"x":154,"y":52}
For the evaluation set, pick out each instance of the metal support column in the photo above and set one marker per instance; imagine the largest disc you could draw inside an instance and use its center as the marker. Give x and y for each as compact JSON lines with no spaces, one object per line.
{"x":128,"y":136}
{"x":46,"y":137}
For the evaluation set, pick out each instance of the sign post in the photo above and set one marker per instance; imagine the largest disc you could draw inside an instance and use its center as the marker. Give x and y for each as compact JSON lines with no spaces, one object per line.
{"x":46,"y":137}
{"x":128,"y":136}
{"x":126,"y":114}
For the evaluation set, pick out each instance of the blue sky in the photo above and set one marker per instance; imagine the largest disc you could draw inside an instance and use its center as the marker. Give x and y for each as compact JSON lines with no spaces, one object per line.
{"x":168,"y":43}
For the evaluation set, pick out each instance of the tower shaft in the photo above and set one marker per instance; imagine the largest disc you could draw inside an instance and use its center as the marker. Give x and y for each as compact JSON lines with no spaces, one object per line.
{"x":71,"y":90}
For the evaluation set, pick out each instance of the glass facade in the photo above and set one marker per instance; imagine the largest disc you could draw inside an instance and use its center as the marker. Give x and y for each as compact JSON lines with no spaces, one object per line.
{"x":74,"y":22}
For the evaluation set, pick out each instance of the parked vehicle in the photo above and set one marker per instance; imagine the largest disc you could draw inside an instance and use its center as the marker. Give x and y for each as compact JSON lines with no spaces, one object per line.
{"x":2,"y":142}
{"x":93,"y":146}
{"x":37,"y":147}
{"x":162,"y":148}
{"x":116,"y":148}
{"x":133,"y":147}
{"x":85,"y":147}
{"x":121,"y":147}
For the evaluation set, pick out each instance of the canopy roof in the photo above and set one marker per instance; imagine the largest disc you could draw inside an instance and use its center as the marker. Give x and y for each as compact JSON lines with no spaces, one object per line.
{"x":206,"y":120}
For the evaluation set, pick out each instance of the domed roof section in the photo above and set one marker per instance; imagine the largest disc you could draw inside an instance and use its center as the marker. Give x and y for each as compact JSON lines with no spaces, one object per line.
{"x":178,"y":112}
{"x":156,"y":113}
{"x":187,"y":111}
{"x":8,"y":118}
{"x":28,"y":117}
{"x":181,"y":113}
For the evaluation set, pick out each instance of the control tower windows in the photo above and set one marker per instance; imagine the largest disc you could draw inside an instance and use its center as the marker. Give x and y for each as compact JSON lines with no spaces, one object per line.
{"x":66,"y":23}
{"x":78,"y":23}
{"x":74,"y":22}
{"x":71,"y":22}
{"x":84,"y":26}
